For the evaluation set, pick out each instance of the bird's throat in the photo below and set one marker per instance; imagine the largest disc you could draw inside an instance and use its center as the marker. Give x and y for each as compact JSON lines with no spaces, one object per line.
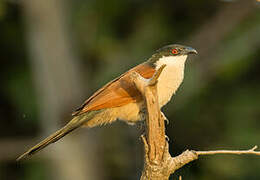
{"x":170,"y":78}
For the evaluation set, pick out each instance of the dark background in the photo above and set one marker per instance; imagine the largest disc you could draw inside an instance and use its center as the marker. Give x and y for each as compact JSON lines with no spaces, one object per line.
{"x":55,"y":54}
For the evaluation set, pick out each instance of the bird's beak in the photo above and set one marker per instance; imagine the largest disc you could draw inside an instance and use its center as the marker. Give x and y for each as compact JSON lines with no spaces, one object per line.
{"x":190,"y":50}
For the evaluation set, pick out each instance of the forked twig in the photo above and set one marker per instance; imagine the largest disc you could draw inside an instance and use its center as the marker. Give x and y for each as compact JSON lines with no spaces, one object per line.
{"x":238,"y":152}
{"x":159,"y":164}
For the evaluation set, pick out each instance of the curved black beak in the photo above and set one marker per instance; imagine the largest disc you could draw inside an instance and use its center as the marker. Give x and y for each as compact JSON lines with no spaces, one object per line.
{"x":190,"y":50}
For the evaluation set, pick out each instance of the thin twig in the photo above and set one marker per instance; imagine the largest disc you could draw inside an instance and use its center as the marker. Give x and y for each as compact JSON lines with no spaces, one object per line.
{"x":238,"y":152}
{"x":159,"y":164}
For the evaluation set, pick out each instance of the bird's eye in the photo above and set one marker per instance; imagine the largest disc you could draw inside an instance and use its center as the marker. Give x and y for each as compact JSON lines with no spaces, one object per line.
{"x":174,"y":51}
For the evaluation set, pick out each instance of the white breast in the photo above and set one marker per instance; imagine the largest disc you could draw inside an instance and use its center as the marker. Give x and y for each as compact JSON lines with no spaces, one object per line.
{"x":170,"y":78}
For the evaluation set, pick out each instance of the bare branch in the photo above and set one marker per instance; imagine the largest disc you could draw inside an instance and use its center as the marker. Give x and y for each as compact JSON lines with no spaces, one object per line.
{"x":237,"y":152}
{"x":156,"y":75}
{"x":181,"y":160}
{"x":159,"y":164}
{"x":155,"y":134}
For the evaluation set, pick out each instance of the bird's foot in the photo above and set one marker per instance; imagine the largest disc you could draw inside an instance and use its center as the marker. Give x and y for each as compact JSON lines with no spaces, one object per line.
{"x":167,"y":138}
{"x":165,"y":118}
{"x":167,"y":121}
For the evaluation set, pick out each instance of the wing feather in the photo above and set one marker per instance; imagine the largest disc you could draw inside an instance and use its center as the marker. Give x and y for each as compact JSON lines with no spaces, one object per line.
{"x":118,"y":92}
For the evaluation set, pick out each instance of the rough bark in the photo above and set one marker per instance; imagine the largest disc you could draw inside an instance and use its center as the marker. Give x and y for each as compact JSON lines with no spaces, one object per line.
{"x":158,"y":163}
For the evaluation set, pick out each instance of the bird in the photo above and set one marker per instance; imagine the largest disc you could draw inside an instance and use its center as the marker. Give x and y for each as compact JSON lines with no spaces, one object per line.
{"x":120,"y":99}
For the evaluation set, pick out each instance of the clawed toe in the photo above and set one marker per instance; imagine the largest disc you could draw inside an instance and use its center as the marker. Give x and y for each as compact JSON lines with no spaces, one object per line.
{"x":167,"y":138}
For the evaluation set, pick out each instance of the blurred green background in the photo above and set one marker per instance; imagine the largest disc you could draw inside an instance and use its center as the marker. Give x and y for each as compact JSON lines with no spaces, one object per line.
{"x":55,"y":54}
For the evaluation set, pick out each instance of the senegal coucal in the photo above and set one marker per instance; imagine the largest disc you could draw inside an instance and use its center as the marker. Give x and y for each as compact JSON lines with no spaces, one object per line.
{"x":120,"y":99}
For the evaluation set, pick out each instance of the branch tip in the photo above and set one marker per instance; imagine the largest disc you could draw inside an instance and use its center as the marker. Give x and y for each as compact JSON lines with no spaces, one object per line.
{"x":157,"y":74}
{"x":254,"y":148}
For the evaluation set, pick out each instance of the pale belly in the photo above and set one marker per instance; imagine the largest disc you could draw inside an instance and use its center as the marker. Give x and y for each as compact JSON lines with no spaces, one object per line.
{"x":168,"y":84}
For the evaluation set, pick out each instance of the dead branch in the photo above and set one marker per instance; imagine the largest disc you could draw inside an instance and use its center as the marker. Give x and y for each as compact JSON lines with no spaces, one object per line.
{"x":238,"y":152}
{"x":159,"y":164}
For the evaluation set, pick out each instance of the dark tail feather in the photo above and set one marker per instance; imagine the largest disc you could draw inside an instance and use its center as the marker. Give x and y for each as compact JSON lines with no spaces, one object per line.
{"x":72,"y":125}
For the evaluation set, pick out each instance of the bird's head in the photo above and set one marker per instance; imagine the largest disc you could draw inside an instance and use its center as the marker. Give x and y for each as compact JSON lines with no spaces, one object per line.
{"x":171,"y":54}
{"x":176,"y":50}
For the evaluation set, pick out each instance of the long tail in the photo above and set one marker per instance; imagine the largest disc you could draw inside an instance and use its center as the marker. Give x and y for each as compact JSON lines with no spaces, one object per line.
{"x":72,"y":125}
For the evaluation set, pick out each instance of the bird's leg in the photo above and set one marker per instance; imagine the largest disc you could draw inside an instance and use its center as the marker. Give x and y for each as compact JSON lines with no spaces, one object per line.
{"x":141,"y":126}
{"x":141,"y":123}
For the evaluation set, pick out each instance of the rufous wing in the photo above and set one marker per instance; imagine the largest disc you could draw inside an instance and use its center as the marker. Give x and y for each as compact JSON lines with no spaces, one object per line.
{"x":118,"y":92}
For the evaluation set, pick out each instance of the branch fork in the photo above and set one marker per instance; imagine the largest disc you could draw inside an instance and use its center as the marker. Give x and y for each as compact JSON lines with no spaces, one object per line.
{"x":159,"y":164}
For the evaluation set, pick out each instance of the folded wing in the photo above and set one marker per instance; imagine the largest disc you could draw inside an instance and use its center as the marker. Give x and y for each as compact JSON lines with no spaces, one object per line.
{"x":118,"y":92}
